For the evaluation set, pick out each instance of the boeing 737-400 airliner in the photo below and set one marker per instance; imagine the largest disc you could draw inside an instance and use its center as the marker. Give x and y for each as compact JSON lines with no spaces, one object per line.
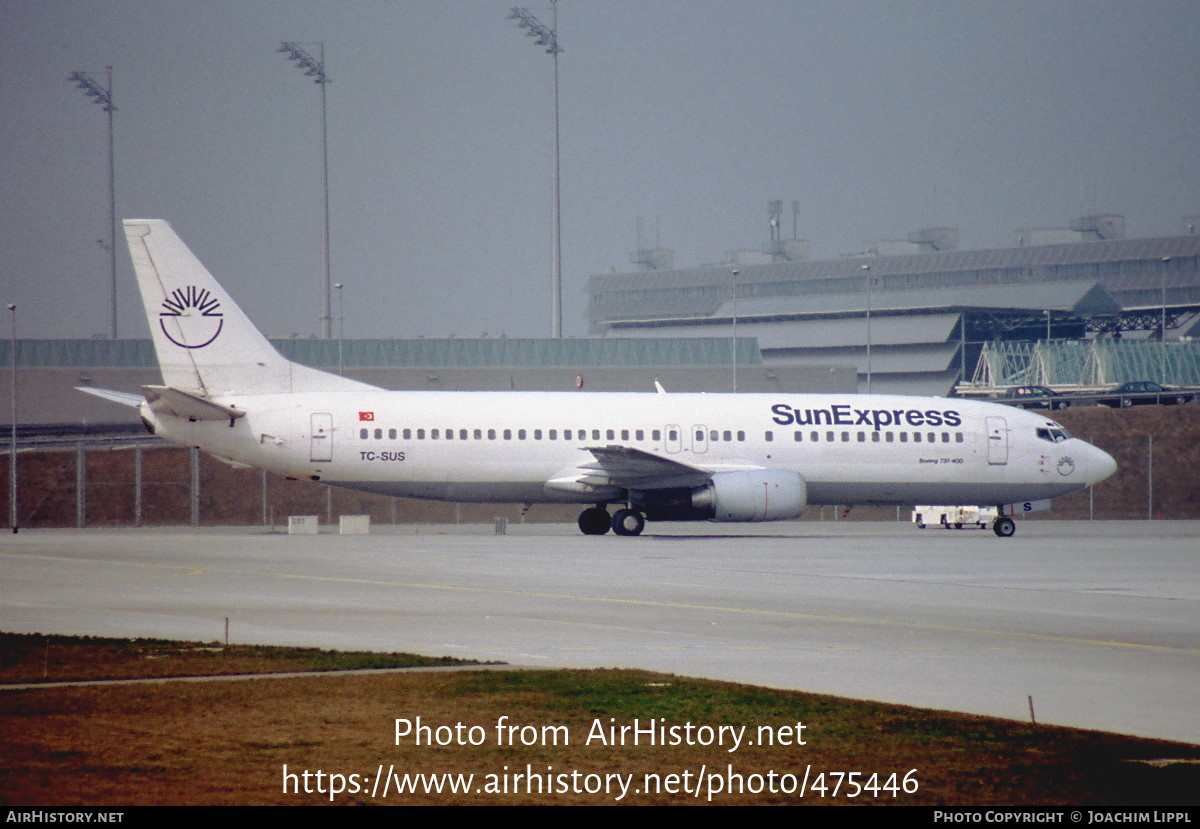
{"x":658,"y":457}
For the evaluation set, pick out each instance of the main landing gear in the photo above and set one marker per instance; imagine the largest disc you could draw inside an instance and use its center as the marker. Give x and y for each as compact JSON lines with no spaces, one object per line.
{"x":628,"y":522}
{"x":594,"y":521}
{"x":597,"y":521}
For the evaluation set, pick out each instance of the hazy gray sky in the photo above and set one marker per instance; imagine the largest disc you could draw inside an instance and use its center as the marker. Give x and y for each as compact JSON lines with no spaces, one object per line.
{"x":879,"y":117}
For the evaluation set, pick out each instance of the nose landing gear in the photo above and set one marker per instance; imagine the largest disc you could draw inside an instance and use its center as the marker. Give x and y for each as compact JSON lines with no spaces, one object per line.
{"x":1004,"y":526}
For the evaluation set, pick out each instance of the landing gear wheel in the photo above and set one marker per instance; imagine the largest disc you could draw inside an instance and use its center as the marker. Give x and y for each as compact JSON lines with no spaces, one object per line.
{"x":594,"y":521}
{"x":628,"y":522}
{"x":1004,"y":526}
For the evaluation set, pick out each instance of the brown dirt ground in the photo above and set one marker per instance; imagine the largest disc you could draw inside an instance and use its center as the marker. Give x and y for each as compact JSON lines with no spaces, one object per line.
{"x":227,"y":742}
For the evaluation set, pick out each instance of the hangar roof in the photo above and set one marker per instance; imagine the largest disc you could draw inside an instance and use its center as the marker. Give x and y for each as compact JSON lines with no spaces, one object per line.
{"x":1080,"y":298}
{"x":1030,"y":256}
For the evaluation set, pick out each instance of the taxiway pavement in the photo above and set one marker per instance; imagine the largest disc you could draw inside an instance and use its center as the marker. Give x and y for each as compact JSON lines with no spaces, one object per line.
{"x":1098,"y":622}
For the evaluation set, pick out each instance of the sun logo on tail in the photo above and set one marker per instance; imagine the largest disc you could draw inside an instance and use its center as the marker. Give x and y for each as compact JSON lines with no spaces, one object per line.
{"x":196,"y":330}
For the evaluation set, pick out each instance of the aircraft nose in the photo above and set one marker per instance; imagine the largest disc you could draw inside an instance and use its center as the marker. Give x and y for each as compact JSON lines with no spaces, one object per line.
{"x":1100,"y":466}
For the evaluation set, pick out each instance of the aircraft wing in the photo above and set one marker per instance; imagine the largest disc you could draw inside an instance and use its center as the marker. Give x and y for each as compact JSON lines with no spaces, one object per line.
{"x":614,"y":468}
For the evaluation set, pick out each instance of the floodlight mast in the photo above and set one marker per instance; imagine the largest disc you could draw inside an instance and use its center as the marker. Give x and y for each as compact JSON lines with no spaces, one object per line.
{"x":12,"y":447}
{"x":103,"y":96}
{"x":315,"y":69}
{"x":548,"y":37}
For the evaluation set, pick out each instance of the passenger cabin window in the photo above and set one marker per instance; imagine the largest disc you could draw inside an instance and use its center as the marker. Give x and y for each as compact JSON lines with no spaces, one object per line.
{"x":362,"y":433}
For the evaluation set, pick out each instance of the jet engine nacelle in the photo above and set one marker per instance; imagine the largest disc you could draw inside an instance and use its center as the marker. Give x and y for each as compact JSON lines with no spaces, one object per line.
{"x":753,"y":495}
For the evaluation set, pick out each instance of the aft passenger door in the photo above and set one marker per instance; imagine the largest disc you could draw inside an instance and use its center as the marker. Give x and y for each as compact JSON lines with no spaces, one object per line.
{"x":321,"y":440}
{"x":997,"y":429}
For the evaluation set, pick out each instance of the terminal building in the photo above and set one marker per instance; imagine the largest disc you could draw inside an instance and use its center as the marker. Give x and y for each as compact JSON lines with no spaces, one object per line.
{"x":915,"y":316}
{"x":1063,"y":306}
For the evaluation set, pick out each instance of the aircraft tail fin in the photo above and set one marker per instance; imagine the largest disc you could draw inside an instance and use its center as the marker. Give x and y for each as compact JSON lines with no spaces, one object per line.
{"x":205,"y":343}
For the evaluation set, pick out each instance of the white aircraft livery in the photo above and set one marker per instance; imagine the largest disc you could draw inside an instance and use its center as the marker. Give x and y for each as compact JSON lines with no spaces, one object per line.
{"x":657,"y":457}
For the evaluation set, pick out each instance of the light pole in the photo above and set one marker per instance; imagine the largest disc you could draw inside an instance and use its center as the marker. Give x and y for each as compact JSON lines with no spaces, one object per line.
{"x":1047,"y":313}
{"x":733,"y":284}
{"x":1162,"y":334}
{"x":103,"y":96}
{"x":341,"y":328}
{"x":315,"y":69}
{"x":867,"y":271}
{"x":12,"y":446}
{"x":548,"y":37}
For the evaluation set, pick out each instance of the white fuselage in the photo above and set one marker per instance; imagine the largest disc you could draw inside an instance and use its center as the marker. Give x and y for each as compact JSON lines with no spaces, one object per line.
{"x":507,"y":446}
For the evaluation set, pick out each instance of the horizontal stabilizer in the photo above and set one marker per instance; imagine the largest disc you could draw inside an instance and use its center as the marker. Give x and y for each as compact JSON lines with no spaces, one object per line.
{"x":122,"y":397}
{"x":166,"y":400}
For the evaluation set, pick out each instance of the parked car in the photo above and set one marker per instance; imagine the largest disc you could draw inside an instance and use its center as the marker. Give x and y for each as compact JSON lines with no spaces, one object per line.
{"x":1146,"y":393}
{"x":1035,"y":397}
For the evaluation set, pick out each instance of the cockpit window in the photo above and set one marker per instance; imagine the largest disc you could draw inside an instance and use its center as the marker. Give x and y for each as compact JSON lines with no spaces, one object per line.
{"x":1055,"y":434}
